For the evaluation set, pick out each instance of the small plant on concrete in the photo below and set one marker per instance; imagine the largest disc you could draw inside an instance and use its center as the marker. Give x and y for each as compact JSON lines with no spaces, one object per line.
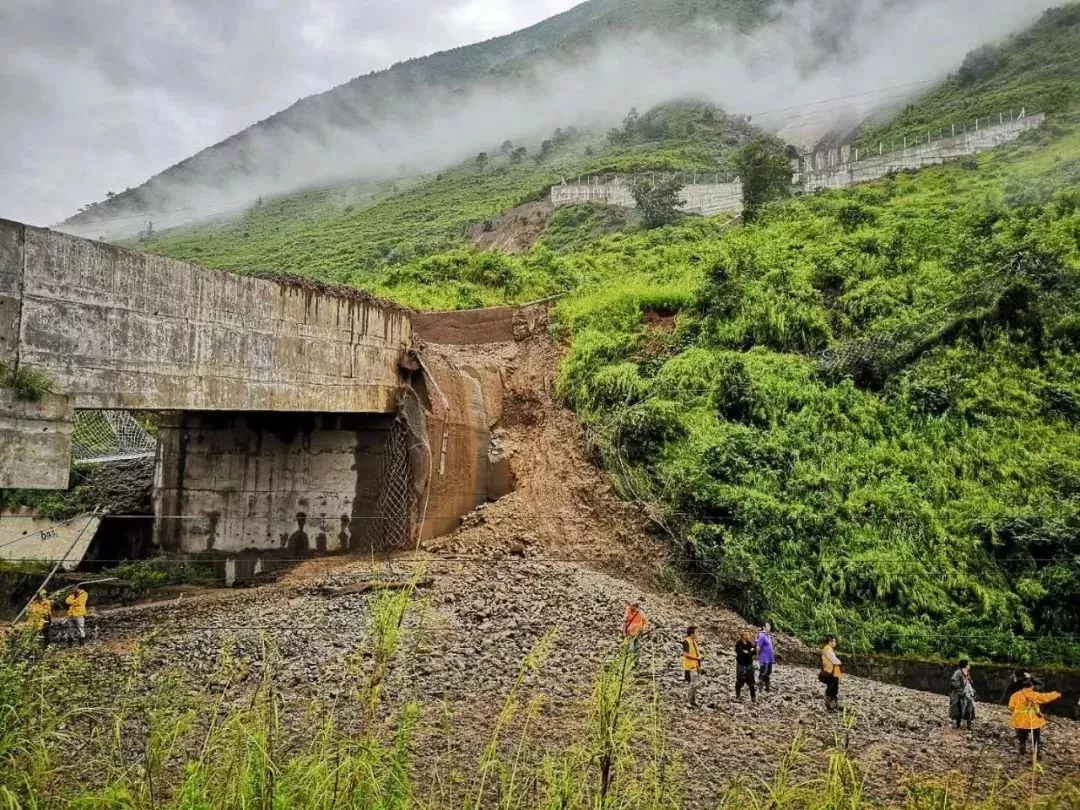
{"x":26,"y":382}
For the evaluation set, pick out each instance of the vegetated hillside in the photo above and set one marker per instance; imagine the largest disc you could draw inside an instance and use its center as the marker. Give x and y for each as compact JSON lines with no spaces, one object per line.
{"x":393,"y":238}
{"x":403,"y":91}
{"x":919,"y":495}
{"x":1037,"y":70}
{"x":860,"y":414}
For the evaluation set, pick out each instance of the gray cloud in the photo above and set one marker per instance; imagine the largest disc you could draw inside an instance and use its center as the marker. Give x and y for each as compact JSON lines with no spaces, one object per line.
{"x":148,"y":106}
{"x":100,"y":94}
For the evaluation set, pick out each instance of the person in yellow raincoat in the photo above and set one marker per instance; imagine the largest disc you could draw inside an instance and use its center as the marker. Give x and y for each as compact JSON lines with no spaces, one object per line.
{"x":1027,"y":718}
{"x":39,"y":615}
{"x":76,"y":603}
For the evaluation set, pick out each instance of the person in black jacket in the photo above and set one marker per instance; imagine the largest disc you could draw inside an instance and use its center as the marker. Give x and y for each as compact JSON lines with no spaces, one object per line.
{"x":744,"y":665}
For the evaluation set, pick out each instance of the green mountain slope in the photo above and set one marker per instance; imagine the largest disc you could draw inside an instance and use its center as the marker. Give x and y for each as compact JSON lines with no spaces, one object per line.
{"x":1037,"y":70}
{"x":381,"y":236}
{"x":859,"y":414}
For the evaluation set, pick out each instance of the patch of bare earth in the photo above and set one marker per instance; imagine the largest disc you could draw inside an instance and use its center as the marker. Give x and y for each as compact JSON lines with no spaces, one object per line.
{"x":517,"y":230}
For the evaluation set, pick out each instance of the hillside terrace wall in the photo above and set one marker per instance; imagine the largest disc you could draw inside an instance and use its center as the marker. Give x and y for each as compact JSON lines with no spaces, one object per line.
{"x":833,"y":168}
{"x":842,"y":167}
{"x":697,"y":198}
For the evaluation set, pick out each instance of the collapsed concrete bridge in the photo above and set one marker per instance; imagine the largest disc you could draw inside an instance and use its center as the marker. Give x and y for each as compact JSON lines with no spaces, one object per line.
{"x":293,"y":418}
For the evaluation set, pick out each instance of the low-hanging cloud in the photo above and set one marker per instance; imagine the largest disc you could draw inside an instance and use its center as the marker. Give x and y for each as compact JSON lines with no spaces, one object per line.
{"x":817,"y":65}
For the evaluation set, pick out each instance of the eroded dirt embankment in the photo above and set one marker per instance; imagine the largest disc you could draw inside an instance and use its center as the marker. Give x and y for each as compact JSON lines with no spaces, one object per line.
{"x":563,"y":554}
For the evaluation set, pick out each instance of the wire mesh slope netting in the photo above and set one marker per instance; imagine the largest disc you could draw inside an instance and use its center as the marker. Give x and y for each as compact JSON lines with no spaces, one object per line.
{"x":405,"y":478}
{"x":102,"y":436}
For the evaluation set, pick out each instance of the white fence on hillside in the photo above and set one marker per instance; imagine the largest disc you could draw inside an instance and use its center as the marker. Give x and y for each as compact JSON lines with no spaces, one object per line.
{"x":840,"y":167}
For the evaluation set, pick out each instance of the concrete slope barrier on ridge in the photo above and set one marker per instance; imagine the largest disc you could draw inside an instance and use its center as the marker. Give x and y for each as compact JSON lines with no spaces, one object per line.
{"x":841,"y":167}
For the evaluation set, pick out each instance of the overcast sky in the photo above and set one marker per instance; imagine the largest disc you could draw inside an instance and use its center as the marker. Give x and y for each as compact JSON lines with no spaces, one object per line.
{"x":97,"y":95}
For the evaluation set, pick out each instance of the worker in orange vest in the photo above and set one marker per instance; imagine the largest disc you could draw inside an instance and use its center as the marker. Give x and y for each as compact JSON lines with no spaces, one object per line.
{"x":633,"y":625}
{"x":1027,"y":718}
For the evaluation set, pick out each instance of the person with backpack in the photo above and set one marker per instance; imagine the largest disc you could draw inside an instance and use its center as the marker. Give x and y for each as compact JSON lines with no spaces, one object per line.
{"x":691,"y":664}
{"x":830,"y":674}
{"x":1027,"y":718}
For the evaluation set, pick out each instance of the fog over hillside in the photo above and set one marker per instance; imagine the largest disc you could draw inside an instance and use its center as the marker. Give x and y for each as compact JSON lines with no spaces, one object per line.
{"x":819,"y":64}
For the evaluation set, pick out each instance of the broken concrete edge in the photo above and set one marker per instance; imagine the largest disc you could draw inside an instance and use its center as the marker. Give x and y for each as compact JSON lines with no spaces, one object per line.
{"x":502,"y":324}
{"x":28,"y":536}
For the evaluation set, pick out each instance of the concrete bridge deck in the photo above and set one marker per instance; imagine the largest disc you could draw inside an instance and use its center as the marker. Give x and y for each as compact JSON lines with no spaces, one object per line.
{"x":114,"y":328}
{"x":293,"y":418}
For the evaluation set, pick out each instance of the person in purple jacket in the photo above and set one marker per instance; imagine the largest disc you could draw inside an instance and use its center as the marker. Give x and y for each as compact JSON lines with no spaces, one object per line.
{"x":765,"y":655}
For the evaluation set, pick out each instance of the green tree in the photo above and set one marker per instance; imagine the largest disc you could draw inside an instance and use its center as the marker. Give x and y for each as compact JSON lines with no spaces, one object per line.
{"x":765,"y":171}
{"x":481,"y":160}
{"x":658,"y":202}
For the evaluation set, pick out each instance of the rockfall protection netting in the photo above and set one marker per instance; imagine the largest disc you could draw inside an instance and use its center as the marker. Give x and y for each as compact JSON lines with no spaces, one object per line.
{"x":103,"y":436}
{"x":874,"y":355}
{"x":404,"y":479}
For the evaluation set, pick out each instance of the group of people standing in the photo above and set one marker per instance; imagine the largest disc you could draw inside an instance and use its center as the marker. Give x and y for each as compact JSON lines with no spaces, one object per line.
{"x":746,"y":650}
{"x":1024,"y":699}
{"x":1026,"y":718}
{"x":41,"y":618}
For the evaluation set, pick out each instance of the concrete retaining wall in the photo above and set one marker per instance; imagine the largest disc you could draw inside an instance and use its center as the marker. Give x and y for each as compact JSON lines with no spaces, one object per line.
{"x":697,"y":198}
{"x":832,"y":168}
{"x":843,"y":167}
{"x":466,"y":404}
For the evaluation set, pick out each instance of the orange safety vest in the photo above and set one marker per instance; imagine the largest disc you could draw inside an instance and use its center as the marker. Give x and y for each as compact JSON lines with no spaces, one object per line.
{"x":634,"y":623}
{"x":1025,"y":707}
{"x":691,"y":659}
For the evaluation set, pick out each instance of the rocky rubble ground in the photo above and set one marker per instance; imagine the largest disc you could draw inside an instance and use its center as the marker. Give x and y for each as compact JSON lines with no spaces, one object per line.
{"x":478,"y":621}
